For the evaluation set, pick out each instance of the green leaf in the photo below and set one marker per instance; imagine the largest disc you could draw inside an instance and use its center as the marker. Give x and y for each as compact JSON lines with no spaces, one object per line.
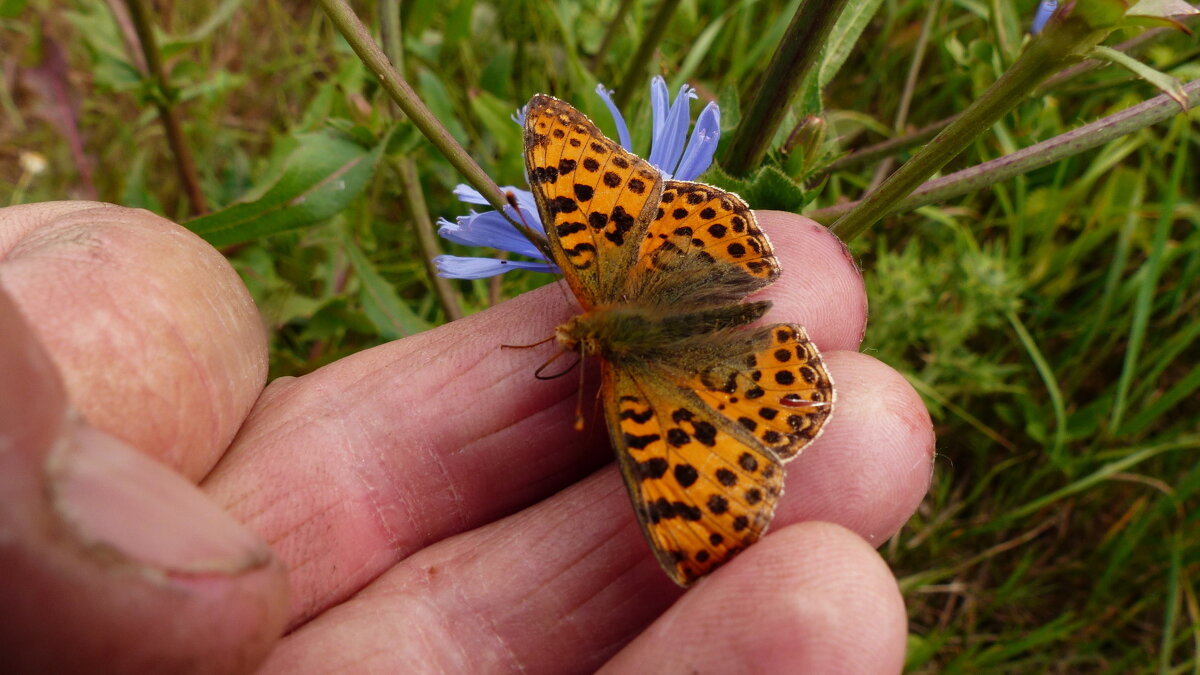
{"x":11,"y":9}
{"x":700,"y":48}
{"x":1165,"y":83}
{"x":717,"y":177}
{"x":1160,"y":13}
{"x":381,"y":303}
{"x":845,"y":34}
{"x":320,"y":178}
{"x":768,"y":188}
{"x":1100,"y":13}
{"x":1162,"y":8}
{"x":846,"y":31}
{"x":218,"y":18}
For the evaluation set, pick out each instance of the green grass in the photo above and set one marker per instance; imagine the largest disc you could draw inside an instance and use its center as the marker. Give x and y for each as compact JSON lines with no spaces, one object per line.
{"x":1052,"y":323}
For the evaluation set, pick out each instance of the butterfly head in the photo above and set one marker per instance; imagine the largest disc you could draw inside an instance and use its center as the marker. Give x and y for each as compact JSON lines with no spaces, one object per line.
{"x":578,"y":335}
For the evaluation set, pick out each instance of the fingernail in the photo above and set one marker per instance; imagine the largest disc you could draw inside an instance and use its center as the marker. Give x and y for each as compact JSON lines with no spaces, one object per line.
{"x":119,"y":500}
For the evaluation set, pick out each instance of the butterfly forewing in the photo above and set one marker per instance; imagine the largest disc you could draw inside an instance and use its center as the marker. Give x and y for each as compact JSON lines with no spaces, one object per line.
{"x":703,"y":488}
{"x":703,"y":247}
{"x":708,"y":221}
{"x":595,"y":199}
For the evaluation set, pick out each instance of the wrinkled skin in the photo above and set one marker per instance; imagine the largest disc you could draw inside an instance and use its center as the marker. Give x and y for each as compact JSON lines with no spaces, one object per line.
{"x":423,"y":505}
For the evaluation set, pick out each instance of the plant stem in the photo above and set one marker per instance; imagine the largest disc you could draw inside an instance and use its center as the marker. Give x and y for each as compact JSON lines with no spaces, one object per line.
{"x":614,"y":25}
{"x":898,"y":144}
{"x":910,"y":85}
{"x":889,"y":147}
{"x":1050,"y":51}
{"x":799,"y":53}
{"x":164,"y":101}
{"x":410,"y":181}
{"x":360,"y":41}
{"x":1156,"y":110}
{"x":638,"y":64}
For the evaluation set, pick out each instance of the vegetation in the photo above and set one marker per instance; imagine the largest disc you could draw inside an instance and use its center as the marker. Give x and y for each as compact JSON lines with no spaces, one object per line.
{"x":1051,"y":320}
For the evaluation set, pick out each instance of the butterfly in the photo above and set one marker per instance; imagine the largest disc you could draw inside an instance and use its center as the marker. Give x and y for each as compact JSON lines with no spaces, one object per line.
{"x":702,"y":409}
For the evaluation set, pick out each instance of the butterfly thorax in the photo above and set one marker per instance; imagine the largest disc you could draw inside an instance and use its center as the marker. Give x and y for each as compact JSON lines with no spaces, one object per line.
{"x":622,"y":333}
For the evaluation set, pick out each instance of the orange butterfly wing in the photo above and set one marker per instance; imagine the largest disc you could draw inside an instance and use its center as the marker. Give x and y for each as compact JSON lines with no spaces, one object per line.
{"x":703,"y":421}
{"x":702,"y":489}
{"x":595,"y":199}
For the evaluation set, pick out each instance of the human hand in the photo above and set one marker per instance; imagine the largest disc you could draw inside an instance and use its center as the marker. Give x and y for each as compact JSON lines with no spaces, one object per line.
{"x":427,"y":501}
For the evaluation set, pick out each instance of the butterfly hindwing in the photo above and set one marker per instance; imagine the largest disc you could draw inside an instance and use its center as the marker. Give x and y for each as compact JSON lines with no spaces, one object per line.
{"x":702,"y":487}
{"x":774,"y":384}
{"x":594,"y":198}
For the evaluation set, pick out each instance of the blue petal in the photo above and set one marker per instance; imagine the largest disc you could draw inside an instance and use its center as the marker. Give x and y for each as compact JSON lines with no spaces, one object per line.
{"x":529,"y":211}
{"x":488,"y":229}
{"x":660,"y":106}
{"x":703,"y":144}
{"x":622,"y":128}
{"x":459,"y":267}
{"x":1044,"y":11}
{"x":668,"y":148}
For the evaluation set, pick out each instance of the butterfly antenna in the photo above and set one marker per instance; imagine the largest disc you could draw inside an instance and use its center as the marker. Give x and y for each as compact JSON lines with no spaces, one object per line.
{"x":538,"y":373}
{"x":535,"y":344}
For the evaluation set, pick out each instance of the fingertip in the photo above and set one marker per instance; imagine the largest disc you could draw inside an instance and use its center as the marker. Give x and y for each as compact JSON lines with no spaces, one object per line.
{"x":873,"y":463}
{"x":111,"y":562}
{"x":143,"y":319}
{"x":821,"y":287}
{"x":811,"y":597}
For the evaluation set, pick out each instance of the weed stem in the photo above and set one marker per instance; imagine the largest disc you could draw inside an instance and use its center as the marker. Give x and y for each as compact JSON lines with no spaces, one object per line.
{"x":799,"y":53}
{"x":1156,"y":110}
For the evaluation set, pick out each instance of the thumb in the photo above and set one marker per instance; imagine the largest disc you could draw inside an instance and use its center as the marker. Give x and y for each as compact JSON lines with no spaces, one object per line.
{"x":109,"y":561}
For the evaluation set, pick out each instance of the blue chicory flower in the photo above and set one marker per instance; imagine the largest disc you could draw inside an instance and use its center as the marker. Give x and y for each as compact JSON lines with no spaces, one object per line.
{"x":672,"y":152}
{"x":1044,"y":10}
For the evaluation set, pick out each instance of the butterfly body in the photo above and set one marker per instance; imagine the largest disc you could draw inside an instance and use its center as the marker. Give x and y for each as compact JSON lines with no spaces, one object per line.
{"x":628,"y":334}
{"x":702,"y":408}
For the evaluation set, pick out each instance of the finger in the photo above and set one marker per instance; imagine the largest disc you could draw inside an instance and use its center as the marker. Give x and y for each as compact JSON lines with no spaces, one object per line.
{"x":434,"y":435}
{"x":811,"y":598}
{"x":154,"y":334}
{"x":872,"y":465}
{"x":821,"y":287}
{"x":110,"y":562}
{"x":520,"y":588}
{"x":574,"y":570}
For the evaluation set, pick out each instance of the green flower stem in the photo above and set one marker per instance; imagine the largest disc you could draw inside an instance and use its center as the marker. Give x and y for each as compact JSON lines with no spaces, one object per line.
{"x":360,"y":41}
{"x":165,"y":103}
{"x":614,"y":25}
{"x":1156,"y":110}
{"x":410,"y":181}
{"x":798,"y":54}
{"x":889,"y":147}
{"x":645,"y":51}
{"x":1061,"y":44}
{"x":1133,"y":45}
{"x":910,"y":84}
